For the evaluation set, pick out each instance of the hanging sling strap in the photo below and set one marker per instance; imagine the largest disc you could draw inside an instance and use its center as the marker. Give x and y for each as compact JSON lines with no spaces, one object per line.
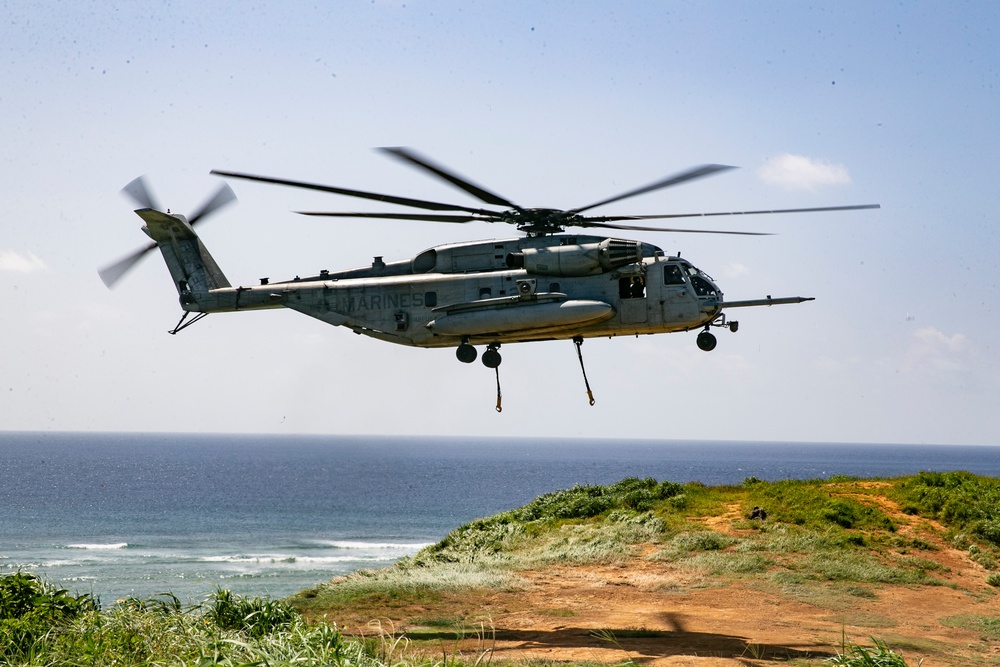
{"x":578,"y":340}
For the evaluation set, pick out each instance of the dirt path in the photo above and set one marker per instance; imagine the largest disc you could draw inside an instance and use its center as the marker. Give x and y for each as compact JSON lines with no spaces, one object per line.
{"x":655,"y":613}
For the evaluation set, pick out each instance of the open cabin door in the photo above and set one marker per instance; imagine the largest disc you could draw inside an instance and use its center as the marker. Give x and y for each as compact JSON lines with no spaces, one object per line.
{"x":632,"y":301}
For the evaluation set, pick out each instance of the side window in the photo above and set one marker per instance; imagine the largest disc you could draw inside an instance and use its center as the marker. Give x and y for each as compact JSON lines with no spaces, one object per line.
{"x":485,"y":292}
{"x":672,"y":275}
{"x":430,"y":299}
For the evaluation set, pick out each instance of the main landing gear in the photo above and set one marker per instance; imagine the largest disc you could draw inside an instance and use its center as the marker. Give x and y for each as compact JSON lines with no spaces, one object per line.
{"x":466,"y":353}
{"x":706,"y":339}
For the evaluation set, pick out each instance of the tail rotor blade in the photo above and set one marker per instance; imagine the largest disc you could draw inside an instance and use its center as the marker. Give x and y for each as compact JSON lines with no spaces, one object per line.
{"x":139,"y":192}
{"x":222,"y":197}
{"x":113,"y":273}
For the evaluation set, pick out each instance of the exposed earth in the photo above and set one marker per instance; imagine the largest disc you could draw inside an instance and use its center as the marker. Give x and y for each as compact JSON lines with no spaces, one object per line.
{"x":656,"y":613}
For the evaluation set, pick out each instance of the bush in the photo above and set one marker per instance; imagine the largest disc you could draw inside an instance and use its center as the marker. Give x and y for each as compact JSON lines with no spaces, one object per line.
{"x":30,"y":608}
{"x":841,"y":513}
{"x":968,"y":504}
{"x":583,"y":502}
{"x":23,"y":594}
{"x":254,"y":617}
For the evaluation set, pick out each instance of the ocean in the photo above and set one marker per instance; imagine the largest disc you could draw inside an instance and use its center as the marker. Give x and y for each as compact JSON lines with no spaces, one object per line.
{"x":120,"y":515}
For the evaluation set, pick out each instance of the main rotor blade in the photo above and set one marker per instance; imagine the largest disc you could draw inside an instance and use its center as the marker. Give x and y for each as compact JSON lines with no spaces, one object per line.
{"x":402,"y":201}
{"x":138,"y":191}
{"x":639,"y":228}
{"x":428,"y":217}
{"x":479,"y":192}
{"x":224,"y":196}
{"x":820,"y":209}
{"x":113,"y":273}
{"x":676,"y":179}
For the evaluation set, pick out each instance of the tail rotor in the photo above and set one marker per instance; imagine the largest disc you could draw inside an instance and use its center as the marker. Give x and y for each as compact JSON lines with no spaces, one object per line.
{"x":139,"y":192}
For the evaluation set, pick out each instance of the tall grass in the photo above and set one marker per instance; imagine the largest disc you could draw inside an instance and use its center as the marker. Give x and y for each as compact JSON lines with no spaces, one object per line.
{"x":42,"y":625}
{"x":879,"y":655}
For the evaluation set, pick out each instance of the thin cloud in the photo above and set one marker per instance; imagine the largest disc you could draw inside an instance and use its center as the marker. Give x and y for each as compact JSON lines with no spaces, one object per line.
{"x":933,"y":350}
{"x":16,"y":262}
{"x":736,"y":270}
{"x":798,"y":172}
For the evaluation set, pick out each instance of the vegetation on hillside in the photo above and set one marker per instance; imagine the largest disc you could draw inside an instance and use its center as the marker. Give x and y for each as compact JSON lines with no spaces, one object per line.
{"x":821,"y":538}
{"x":816,"y":532}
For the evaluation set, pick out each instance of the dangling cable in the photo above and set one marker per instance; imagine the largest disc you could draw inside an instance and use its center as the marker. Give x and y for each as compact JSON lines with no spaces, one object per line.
{"x":578,"y":340}
{"x":499,"y":395}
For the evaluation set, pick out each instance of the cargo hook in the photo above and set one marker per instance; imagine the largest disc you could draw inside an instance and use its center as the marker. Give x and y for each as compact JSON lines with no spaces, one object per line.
{"x":578,"y":341}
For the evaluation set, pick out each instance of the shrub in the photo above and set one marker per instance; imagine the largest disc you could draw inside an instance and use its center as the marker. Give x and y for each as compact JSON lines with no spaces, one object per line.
{"x":23,"y":594}
{"x":842,"y":513}
{"x":254,"y":617}
{"x":583,"y":502}
{"x":30,"y":608}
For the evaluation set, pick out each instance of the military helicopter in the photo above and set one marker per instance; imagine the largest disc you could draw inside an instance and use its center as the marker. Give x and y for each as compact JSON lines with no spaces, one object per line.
{"x":543,"y":285}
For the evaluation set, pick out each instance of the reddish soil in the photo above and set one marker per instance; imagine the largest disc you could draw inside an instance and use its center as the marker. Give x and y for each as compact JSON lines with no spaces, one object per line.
{"x":654,"y":613}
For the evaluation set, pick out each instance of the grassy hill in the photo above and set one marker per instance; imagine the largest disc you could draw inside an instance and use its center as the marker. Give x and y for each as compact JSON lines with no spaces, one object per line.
{"x":837,"y":530}
{"x":838,"y":547}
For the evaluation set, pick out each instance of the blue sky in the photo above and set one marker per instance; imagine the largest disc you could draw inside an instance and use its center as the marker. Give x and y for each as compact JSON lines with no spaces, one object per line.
{"x":549,"y":104}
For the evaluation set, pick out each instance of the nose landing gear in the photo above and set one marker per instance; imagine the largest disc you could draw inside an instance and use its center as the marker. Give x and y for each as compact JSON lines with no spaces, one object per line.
{"x":706,"y":339}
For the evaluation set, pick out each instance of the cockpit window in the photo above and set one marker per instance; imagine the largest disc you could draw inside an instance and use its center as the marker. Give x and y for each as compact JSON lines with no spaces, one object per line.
{"x":673,"y":275}
{"x":702,"y":287}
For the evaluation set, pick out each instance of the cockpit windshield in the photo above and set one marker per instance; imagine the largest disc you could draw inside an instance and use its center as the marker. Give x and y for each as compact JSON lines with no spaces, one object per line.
{"x":703,"y":287}
{"x":682,"y":271}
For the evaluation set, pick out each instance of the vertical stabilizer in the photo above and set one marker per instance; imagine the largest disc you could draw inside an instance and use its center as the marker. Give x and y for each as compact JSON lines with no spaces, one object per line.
{"x":192,"y":268}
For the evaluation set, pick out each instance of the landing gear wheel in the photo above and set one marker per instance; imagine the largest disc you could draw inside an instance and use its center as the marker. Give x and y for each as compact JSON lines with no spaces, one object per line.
{"x":466,"y":353}
{"x":491,"y":358}
{"x":706,"y":341}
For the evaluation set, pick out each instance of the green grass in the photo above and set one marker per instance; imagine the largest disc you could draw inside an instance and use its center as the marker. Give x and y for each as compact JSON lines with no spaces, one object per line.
{"x":988,"y":627}
{"x":879,"y":655}
{"x":42,"y":625}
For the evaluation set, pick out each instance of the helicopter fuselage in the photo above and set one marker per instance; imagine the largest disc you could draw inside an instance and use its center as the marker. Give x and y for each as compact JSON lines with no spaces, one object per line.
{"x":512,"y":290}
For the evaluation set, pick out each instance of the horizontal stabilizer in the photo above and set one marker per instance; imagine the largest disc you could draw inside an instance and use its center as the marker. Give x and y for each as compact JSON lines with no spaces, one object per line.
{"x":165,"y":226}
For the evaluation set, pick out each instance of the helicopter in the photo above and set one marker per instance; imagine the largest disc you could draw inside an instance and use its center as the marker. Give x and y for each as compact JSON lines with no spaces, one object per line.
{"x":545,"y":284}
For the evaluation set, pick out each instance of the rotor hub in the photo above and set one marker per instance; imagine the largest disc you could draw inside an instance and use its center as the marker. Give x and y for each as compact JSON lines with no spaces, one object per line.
{"x":541,"y":221}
